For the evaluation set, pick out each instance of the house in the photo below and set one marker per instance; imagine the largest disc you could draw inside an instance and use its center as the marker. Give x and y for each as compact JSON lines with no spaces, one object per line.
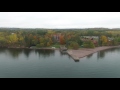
{"x":91,"y":37}
{"x":110,"y":39}
{"x":12,"y":33}
{"x":57,"y":36}
{"x":94,"y":39}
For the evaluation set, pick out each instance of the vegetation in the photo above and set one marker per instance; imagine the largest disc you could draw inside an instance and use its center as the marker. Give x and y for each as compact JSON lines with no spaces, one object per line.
{"x":88,"y":44}
{"x":71,"y":38}
{"x":73,"y":45}
{"x":104,"y":40}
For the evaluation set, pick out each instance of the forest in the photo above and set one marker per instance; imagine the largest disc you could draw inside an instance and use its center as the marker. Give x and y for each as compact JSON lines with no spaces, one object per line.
{"x":71,"y":38}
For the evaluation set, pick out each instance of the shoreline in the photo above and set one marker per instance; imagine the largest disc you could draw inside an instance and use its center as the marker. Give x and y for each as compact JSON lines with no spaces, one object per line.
{"x":77,"y":54}
{"x":45,"y":48}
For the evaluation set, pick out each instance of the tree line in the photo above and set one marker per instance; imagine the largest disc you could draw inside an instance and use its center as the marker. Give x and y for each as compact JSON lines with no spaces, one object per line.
{"x":72,"y":39}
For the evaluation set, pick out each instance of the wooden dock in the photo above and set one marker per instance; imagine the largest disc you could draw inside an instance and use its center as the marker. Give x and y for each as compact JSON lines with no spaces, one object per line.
{"x":63,"y":48}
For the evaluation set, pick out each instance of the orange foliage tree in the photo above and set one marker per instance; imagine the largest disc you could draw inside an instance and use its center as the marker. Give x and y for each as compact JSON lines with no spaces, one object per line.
{"x":62,"y":40}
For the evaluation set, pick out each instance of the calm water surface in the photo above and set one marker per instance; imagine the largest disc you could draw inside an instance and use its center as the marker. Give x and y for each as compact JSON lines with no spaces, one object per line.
{"x":23,"y":63}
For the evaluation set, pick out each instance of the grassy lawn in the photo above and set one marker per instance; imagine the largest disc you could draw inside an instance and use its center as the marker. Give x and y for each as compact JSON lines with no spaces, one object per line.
{"x":56,"y":46}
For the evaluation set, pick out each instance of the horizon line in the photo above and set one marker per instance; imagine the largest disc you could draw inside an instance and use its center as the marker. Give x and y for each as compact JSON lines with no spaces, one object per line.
{"x":60,"y":28}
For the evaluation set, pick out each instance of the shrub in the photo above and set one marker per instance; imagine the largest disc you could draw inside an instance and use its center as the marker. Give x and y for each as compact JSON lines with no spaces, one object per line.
{"x":48,"y":44}
{"x":88,"y":44}
{"x":38,"y":45}
{"x":41,"y":44}
{"x":74,"y":45}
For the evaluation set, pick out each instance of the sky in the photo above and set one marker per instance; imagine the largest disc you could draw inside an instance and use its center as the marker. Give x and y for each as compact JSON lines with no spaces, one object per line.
{"x":60,"y":19}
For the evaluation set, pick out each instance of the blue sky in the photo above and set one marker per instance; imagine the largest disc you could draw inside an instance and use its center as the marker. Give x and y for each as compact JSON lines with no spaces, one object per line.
{"x":60,"y":19}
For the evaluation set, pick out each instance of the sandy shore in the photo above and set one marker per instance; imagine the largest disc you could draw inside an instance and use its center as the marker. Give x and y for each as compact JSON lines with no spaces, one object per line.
{"x":77,"y":54}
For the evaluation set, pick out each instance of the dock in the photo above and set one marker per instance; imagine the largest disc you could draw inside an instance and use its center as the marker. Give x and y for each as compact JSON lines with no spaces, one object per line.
{"x":70,"y":53}
{"x":77,"y":54}
{"x":63,"y":49}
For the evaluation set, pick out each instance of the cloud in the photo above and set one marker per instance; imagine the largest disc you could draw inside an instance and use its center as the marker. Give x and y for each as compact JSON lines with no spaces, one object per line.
{"x":60,"y":19}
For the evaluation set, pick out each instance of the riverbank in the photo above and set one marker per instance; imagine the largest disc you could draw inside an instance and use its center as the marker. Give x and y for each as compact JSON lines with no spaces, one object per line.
{"x":77,"y":54}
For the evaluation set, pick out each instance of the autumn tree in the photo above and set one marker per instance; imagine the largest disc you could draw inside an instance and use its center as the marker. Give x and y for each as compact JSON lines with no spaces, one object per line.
{"x":62,"y":40}
{"x":13,"y":39}
{"x":104,"y":40}
{"x":88,"y":44}
{"x":74,"y":45}
{"x":28,"y":40}
{"x":21,"y":41}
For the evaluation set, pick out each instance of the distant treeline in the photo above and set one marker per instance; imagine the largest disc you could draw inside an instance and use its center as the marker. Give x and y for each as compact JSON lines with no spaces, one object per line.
{"x":1,"y":29}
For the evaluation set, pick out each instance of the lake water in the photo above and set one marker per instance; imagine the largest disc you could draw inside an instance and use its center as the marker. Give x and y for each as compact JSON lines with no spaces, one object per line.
{"x":24,"y":63}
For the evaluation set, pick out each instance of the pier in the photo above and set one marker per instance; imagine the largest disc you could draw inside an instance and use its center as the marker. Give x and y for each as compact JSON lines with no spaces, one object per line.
{"x":63,"y":49}
{"x":77,"y":54}
{"x":70,"y":53}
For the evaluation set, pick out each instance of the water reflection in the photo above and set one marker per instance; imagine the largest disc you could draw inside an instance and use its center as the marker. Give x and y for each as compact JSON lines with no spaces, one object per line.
{"x":63,"y":53}
{"x":45,"y":53}
{"x":27,"y":52}
{"x":15,"y":53}
{"x":77,"y":61}
{"x":118,"y":49}
{"x":110,"y":50}
{"x":89,"y":56}
{"x":2,"y":50}
{"x":101,"y":54}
